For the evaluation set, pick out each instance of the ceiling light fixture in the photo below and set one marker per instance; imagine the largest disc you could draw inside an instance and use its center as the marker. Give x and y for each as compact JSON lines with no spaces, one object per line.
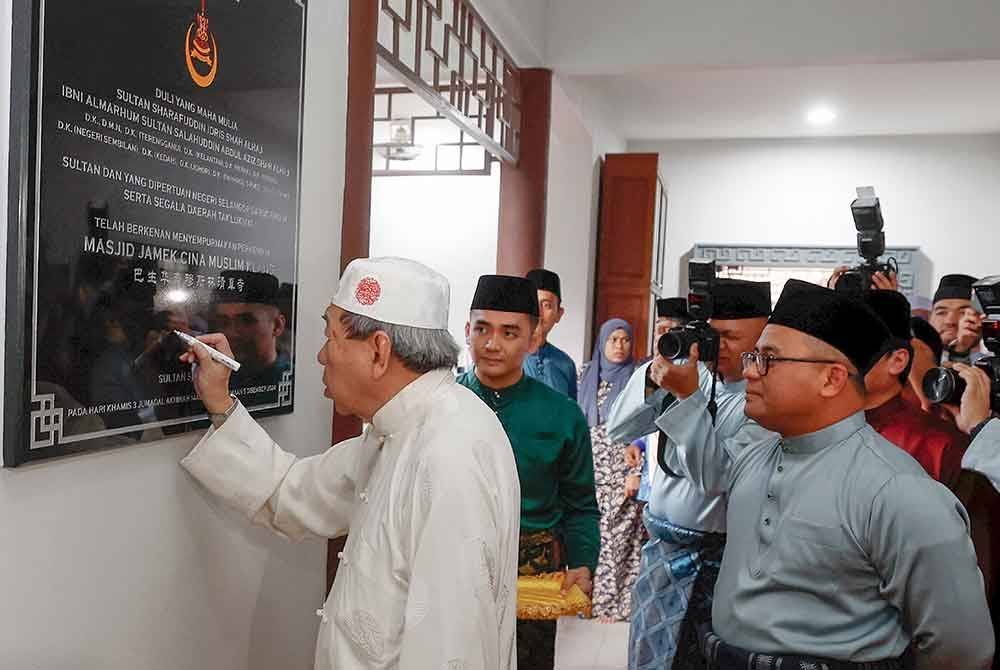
{"x":400,"y":146}
{"x":821,"y":116}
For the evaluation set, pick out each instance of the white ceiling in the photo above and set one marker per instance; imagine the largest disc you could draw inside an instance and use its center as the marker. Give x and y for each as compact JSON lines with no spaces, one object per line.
{"x":665,"y":69}
{"x":618,"y":36}
{"x":521,"y":25}
{"x":898,"y":99}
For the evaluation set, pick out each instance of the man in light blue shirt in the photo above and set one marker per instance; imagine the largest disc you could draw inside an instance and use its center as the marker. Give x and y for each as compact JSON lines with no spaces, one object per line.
{"x":549,"y":364}
{"x":841,"y":550}
{"x":670,"y":313}
{"x":687,"y":528}
{"x":983,"y":455}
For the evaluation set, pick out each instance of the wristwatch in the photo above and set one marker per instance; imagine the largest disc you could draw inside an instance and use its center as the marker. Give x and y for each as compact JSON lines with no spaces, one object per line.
{"x":218,"y":419}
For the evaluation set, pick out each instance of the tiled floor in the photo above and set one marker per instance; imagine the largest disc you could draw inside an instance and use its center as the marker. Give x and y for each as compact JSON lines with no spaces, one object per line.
{"x":590,"y":645}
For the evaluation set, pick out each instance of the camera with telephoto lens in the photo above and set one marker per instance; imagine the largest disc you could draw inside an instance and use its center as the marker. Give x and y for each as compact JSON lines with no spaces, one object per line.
{"x":676,"y":342}
{"x":867,"y":214}
{"x":944,"y":385}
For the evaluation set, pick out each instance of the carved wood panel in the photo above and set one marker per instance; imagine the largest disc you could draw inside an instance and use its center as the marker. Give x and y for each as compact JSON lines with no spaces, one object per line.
{"x":445,"y":52}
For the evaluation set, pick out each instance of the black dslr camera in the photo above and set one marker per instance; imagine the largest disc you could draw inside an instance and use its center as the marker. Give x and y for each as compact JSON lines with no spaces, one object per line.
{"x":943,"y":385}
{"x":676,"y":342}
{"x":867,"y":214}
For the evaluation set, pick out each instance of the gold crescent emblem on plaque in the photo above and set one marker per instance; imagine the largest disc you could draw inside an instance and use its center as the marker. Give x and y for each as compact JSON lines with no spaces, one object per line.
{"x":202,"y":80}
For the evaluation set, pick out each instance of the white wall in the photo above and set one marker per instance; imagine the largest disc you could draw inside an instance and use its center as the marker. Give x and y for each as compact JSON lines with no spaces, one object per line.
{"x":941,"y":193}
{"x":447,"y":223}
{"x":591,"y":107}
{"x":571,"y":222}
{"x":118,"y":560}
{"x":578,"y":140}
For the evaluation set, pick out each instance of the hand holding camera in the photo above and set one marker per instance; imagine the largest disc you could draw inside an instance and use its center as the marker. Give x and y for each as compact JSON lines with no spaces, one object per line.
{"x":694,"y":339}
{"x":975,"y":403}
{"x":886,"y":281}
{"x":867,"y":213}
{"x":681,"y":380}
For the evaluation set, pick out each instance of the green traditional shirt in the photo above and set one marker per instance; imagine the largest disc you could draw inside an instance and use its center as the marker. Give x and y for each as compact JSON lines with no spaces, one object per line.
{"x":555,"y":463}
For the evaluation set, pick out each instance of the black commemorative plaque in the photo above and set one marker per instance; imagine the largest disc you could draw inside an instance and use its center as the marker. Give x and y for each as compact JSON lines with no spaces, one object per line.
{"x":154,"y":187}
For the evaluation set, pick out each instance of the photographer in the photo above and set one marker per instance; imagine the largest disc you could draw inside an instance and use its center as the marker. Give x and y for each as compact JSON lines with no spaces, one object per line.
{"x":971,"y":393}
{"x":955,"y":318}
{"x":873,"y":272}
{"x":840,"y":548}
{"x":935,"y":444}
{"x":670,"y":313}
{"x":683,"y":523}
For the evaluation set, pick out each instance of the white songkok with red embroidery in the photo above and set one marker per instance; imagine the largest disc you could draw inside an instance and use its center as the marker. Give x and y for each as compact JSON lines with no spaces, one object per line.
{"x":395,"y":290}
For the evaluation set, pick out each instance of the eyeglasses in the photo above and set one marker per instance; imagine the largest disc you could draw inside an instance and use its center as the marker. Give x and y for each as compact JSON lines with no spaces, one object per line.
{"x":763,"y":362}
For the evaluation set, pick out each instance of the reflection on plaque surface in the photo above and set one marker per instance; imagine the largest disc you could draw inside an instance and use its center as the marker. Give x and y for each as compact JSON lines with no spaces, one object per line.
{"x":161,"y":164}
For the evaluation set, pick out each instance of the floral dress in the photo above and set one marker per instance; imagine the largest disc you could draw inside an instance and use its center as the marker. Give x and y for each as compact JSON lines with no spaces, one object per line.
{"x":621,"y":521}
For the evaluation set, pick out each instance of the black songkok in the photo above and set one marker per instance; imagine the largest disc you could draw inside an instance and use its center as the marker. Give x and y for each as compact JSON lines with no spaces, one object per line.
{"x":740,"y":299}
{"x":955,"y":287}
{"x":248,"y":287}
{"x":506,"y":294}
{"x":894,"y":310}
{"x":845,"y":323}
{"x":546,"y":280}
{"x":672,"y":308}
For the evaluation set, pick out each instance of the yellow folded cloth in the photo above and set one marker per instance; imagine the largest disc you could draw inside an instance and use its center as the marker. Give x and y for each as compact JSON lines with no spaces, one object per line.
{"x":539,"y":597}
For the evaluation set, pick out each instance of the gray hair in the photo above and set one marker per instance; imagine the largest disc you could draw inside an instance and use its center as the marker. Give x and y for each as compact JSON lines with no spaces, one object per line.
{"x":420,"y":349}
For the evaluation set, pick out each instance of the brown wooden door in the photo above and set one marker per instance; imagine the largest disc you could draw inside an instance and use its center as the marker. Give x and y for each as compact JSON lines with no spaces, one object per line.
{"x":625,"y":243}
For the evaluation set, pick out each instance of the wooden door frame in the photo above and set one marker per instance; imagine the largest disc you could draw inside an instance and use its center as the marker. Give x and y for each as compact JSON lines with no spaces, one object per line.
{"x":524,"y":187}
{"x":356,"y":223}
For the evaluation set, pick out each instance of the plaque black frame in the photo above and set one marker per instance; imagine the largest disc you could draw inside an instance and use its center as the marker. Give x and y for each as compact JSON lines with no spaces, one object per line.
{"x":22,"y":157}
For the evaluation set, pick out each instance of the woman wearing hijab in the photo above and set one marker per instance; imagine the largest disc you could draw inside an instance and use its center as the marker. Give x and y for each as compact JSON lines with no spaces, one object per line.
{"x":601,"y":380}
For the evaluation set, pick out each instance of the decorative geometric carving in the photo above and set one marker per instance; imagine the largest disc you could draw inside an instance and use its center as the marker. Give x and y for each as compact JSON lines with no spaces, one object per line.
{"x":461,"y":156}
{"x":908,"y":259}
{"x":393,"y":7}
{"x":285,"y":389}
{"x":446,"y":54}
{"x":46,"y":422}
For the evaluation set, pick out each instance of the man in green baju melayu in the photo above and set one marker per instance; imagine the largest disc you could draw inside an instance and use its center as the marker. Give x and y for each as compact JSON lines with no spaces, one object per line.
{"x":551,"y":441}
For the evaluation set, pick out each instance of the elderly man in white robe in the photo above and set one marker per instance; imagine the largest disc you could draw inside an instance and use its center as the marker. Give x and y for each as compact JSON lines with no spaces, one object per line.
{"x":429,"y":492}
